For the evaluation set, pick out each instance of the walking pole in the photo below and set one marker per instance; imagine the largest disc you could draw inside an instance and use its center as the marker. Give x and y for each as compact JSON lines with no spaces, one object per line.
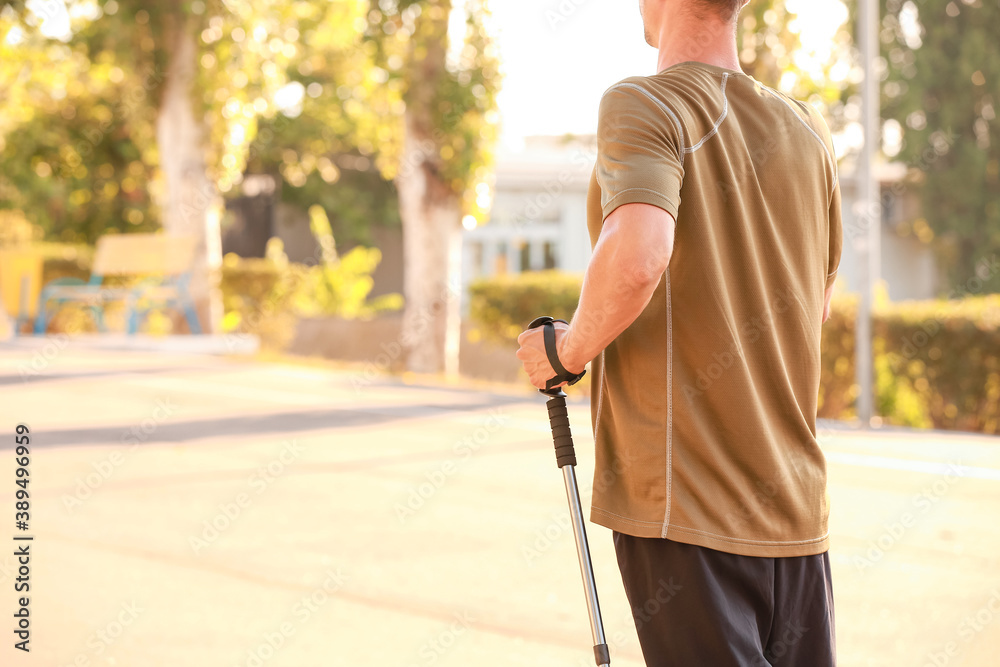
{"x":566,"y":460}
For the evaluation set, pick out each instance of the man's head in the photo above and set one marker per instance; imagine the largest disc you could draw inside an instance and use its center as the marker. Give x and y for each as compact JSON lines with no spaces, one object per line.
{"x":655,"y":12}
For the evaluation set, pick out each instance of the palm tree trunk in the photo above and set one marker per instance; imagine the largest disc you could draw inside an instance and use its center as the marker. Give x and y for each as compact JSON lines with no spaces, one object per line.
{"x":431,"y":215}
{"x":192,"y":204}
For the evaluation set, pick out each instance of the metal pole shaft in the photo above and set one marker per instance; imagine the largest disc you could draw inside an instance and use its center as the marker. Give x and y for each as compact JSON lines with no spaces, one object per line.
{"x":583,"y":554}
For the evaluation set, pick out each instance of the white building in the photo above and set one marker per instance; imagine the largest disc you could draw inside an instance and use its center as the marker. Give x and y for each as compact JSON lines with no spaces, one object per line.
{"x":539,"y":220}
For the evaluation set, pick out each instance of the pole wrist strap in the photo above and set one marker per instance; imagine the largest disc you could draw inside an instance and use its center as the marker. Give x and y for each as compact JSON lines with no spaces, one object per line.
{"x":549,"y":336}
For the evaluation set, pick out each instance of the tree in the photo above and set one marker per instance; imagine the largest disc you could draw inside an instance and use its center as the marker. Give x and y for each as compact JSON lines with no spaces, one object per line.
{"x":77,"y":148}
{"x":218,"y":67}
{"x":771,"y":51}
{"x":438,"y":151}
{"x":940,"y":93}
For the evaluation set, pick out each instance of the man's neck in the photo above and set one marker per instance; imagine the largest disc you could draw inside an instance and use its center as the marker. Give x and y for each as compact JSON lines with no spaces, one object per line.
{"x":687,"y":38}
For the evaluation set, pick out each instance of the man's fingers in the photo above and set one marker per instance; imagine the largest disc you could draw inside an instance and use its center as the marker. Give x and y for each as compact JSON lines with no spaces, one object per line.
{"x":524,"y":335}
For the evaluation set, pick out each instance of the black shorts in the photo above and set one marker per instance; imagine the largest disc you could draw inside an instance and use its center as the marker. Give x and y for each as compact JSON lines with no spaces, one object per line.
{"x":697,"y":607}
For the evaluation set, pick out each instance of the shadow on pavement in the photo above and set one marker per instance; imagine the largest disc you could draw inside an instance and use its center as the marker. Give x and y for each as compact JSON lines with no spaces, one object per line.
{"x":249,"y":425}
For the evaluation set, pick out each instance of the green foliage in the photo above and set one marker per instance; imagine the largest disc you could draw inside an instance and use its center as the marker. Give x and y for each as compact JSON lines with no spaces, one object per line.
{"x":77,"y":131}
{"x":771,"y":50}
{"x":943,"y":88}
{"x":451,"y":105}
{"x":16,"y":230}
{"x":502,"y":307}
{"x":838,"y":390}
{"x":64,"y":260}
{"x":77,"y":146}
{"x":947,"y":352}
{"x":265,"y":296}
{"x":259,"y":297}
{"x":935,"y":366}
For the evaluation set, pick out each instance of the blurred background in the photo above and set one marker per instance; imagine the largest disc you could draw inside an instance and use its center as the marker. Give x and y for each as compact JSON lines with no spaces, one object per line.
{"x":263,"y":264}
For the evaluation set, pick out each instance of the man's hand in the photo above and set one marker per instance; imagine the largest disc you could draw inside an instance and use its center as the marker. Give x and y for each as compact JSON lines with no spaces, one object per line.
{"x":533,"y":357}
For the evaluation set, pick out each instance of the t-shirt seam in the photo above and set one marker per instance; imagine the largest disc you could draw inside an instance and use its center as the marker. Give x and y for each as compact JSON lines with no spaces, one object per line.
{"x":670,"y":407}
{"x":600,"y":396}
{"x":663,"y":107}
{"x":833,"y":162}
{"x":652,"y":192}
{"x":626,"y":519}
{"x":736,"y":540}
{"x":723,"y":538}
{"x":718,"y":123}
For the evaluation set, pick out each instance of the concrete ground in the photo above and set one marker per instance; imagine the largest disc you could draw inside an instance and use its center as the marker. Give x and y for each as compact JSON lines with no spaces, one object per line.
{"x":203,"y":511}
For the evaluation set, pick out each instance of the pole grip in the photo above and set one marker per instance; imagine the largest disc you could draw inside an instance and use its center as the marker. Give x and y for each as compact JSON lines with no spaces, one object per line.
{"x":562,"y":438}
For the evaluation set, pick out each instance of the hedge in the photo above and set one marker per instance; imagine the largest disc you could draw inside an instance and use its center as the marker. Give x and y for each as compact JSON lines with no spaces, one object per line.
{"x":501,"y":307}
{"x":937,"y":363}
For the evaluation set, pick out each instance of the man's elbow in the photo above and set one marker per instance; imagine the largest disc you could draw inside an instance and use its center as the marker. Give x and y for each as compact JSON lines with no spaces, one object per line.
{"x":645,"y":271}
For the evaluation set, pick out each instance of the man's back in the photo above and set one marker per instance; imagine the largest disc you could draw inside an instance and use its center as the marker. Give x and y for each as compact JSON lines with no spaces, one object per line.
{"x":705,"y":406}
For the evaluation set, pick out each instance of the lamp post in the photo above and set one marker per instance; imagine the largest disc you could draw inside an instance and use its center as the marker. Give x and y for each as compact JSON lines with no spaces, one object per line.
{"x":869,"y":211}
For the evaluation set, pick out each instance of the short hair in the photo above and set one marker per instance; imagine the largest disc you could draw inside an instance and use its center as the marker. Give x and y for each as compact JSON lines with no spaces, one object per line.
{"x":727,"y":10}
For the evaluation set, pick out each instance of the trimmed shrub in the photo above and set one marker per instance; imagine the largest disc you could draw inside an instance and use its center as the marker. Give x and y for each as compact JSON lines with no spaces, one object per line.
{"x":502,"y":307}
{"x":945,"y":358}
{"x":266,"y":296}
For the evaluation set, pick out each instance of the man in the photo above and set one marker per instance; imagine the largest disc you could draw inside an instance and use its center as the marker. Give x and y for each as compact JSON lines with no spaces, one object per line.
{"x":714,"y":210}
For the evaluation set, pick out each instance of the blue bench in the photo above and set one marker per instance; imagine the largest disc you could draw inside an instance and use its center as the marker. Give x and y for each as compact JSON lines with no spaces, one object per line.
{"x":164,"y":263}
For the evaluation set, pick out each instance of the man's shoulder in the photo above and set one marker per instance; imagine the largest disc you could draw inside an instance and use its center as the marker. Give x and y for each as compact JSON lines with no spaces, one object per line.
{"x":657,"y":86}
{"x":640,"y":97}
{"x":675,"y":90}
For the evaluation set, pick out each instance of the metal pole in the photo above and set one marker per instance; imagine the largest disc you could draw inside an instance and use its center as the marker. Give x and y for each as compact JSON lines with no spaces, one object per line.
{"x":870,"y":215}
{"x":586,"y":567}
{"x":562,"y":440}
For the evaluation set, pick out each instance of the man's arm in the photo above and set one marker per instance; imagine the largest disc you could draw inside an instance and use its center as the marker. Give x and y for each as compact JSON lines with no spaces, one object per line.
{"x":630,"y":256}
{"x":826,"y":303}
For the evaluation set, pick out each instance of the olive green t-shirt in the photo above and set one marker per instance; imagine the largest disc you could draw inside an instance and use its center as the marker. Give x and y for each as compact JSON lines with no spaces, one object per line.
{"x":704,"y":409}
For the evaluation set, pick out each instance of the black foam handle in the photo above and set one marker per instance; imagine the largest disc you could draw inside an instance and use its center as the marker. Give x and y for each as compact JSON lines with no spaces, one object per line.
{"x":561,"y":436}
{"x":602,"y":654}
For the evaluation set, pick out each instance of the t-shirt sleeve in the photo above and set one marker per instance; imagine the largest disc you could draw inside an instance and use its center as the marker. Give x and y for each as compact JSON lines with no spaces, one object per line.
{"x":640,"y":155}
{"x":836,"y":237}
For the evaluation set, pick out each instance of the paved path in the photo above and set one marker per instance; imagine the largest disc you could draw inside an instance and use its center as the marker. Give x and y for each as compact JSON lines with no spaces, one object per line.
{"x":198,"y":511}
